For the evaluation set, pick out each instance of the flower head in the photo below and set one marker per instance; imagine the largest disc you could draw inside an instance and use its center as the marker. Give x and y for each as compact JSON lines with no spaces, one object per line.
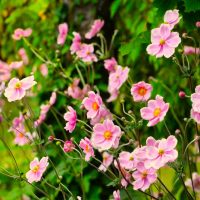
{"x":68,"y":146}
{"x":116,"y":195}
{"x":110,"y":64}
{"x":86,"y":145}
{"x":16,"y":89}
{"x":171,"y":18}
{"x":71,"y":118}
{"x":96,"y":27}
{"x":188,"y":50}
{"x":155,"y":111}
{"x":20,"y":33}
{"x":106,"y":135}
{"x":37,"y":168}
{"x":63,"y":30}
{"x":76,"y":43}
{"x":163,"y":42}
{"x":141,"y":91}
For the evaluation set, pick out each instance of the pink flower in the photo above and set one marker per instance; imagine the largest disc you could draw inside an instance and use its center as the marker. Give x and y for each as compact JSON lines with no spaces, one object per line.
{"x":37,"y":169}
{"x":163,"y":42}
{"x":141,"y":91}
{"x":16,"y":89}
{"x":195,"y":116}
{"x":52,"y":99}
{"x":103,"y":114}
{"x":116,"y":79}
{"x":113,"y":95}
{"x":171,"y":18}
{"x":106,"y":135}
{"x":155,"y":111}
{"x":188,"y":50}
{"x":196,"y":182}
{"x":63,"y":30}
{"x":161,"y":153}
{"x":96,"y":27}
{"x":110,"y":64}
{"x":16,"y":64}
{"x":86,"y":145}
{"x":92,"y":104}
{"x":116,"y":195}
{"x":20,"y":33}
{"x":71,"y":118}
{"x":86,"y":53}
{"x":44,"y":70}
{"x":76,"y":43}
{"x":21,"y":137}
{"x":127,"y":160}
{"x":68,"y":146}
{"x":75,"y":91}
{"x":198,"y":24}
{"x":23,"y":55}
{"x":5,"y":71}
{"x":143,"y":177}
{"x":107,"y":160}
{"x":195,"y":111}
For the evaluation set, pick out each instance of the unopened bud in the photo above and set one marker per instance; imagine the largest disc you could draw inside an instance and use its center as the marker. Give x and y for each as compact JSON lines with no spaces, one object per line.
{"x":177,"y":131}
{"x":51,"y":138}
{"x":58,"y":143}
{"x":184,"y":35}
{"x":181,"y":94}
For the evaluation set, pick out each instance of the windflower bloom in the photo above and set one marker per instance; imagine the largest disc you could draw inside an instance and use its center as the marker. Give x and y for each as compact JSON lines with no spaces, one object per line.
{"x":171,"y":18}
{"x":155,"y":111}
{"x":23,"y":55}
{"x":141,"y":91}
{"x":71,"y":118}
{"x":92,"y":104}
{"x":5,"y":71}
{"x":37,"y":168}
{"x":86,"y":145}
{"x":21,"y":137}
{"x":188,"y":50}
{"x":44,"y":70}
{"x":110,"y":64}
{"x":127,"y":160}
{"x":68,"y":146}
{"x":96,"y":27}
{"x":16,"y":89}
{"x":76,"y":43}
{"x":106,"y":135}
{"x":196,"y":182}
{"x":16,"y":64}
{"x":20,"y":33}
{"x":86,"y":53}
{"x":116,"y":195}
{"x":107,"y":161}
{"x":63,"y":30}
{"x":143,"y":177}
{"x":116,"y":79}
{"x":163,"y":42}
{"x":195,"y":111}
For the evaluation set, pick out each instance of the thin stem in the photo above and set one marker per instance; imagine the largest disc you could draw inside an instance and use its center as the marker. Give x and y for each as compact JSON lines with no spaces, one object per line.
{"x":80,"y":74}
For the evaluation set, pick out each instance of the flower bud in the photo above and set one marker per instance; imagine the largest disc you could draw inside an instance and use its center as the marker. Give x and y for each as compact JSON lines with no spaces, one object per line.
{"x":68,"y":146}
{"x":177,"y":131}
{"x":198,"y":24}
{"x":51,"y":138}
{"x":181,"y":94}
{"x":184,"y":35}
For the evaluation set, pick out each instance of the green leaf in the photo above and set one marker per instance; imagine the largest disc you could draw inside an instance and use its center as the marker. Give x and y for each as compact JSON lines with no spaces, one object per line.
{"x":192,"y":5}
{"x":114,"y":7}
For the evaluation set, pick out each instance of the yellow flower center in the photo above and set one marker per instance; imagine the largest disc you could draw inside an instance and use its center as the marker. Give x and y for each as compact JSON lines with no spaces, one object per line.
{"x":87,"y":148}
{"x":142,"y":91}
{"x":95,"y":106}
{"x":144,"y":174}
{"x":21,"y":135}
{"x":35,"y":169}
{"x":161,"y":152}
{"x":18,"y":85}
{"x":131,"y":158}
{"x":157,"y":112}
{"x":162,"y":42}
{"x":107,"y":135}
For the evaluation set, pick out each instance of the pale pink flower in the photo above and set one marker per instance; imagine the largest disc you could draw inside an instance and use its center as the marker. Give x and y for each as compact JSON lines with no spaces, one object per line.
{"x":127,"y":160}
{"x":75,"y":91}
{"x":171,"y":18}
{"x":141,"y":91}
{"x":23,"y":55}
{"x":163,"y":42}
{"x":86,"y":145}
{"x":52,"y":99}
{"x":143,"y":177}
{"x":106,"y":135}
{"x":195,"y":98}
{"x":20,"y":33}
{"x":76,"y":43}
{"x":63,"y":31}
{"x":110,"y":64}
{"x":96,"y":27}
{"x":16,"y":89}
{"x":86,"y":53}
{"x":68,"y":146}
{"x":195,"y":116}
{"x":161,"y":153}
{"x":21,"y":137}
{"x":107,"y":160}
{"x":5,"y":71}
{"x":196,"y":182}
{"x":71,"y":119}
{"x":44,"y":70}
{"x":103,"y":114}
{"x":116,"y":195}
{"x":155,"y":111}
{"x":188,"y":50}
{"x":92,"y":104}
{"x":16,"y":64}
{"x":37,"y":168}
{"x":198,"y":24}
